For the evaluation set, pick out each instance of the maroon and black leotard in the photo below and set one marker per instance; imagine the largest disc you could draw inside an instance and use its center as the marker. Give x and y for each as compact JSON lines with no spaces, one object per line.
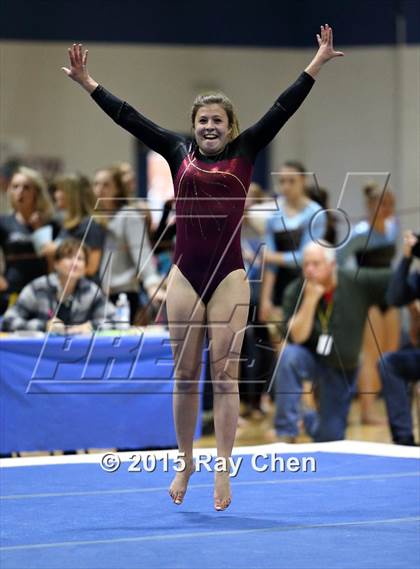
{"x":210,"y":191}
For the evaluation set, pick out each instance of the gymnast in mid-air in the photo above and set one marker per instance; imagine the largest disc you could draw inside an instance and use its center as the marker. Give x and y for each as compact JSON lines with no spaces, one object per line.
{"x":207,"y":286}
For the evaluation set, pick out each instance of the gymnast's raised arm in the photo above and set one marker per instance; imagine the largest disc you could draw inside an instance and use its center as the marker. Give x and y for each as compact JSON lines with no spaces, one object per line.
{"x":155,"y":137}
{"x":262,"y":132}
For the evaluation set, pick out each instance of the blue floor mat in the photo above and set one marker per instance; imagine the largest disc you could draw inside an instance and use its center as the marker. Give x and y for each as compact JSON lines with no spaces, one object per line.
{"x":355,"y":511}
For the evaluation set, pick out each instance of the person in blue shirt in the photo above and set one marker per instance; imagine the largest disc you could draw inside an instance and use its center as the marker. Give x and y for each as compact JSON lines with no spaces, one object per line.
{"x":296,"y":221}
{"x":372,"y":241}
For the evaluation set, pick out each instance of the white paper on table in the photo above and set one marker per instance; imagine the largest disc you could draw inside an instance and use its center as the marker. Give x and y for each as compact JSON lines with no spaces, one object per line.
{"x":41,"y":237}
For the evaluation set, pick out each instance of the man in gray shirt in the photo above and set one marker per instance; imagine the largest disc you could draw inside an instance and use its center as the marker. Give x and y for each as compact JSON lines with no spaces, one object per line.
{"x":324,"y":317}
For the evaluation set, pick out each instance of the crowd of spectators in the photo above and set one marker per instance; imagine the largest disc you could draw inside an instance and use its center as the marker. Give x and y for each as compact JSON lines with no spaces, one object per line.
{"x":323,"y":313}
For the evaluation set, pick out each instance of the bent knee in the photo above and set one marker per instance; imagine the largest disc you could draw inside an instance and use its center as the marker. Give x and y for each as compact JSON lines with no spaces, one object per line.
{"x":293,"y":355}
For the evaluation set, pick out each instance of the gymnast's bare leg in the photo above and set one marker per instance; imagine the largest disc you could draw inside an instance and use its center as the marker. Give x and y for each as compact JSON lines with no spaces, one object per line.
{"x":186,"y":321}
{"x":227,"y":314}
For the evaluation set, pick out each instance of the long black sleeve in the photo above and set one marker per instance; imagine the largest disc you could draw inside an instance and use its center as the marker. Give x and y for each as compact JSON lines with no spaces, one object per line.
{"x":155,"y":137}
{"x":172,"y":145}
{"x":263,"y":131}
{"x":403,"y":287}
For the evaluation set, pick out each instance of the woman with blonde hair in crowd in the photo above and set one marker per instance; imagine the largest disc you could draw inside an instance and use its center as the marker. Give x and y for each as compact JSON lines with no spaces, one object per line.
{"x":24,"y":231}
{"x":127,"y":258}
{"x":74,"y":197}
{"x":373,"y":244}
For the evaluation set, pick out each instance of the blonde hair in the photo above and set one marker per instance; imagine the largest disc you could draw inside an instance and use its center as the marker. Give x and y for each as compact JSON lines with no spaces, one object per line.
{"x":80,"y":198}
{"x":217,"y":98}
{"x":43,"y":202}
{"x":123,"y":166}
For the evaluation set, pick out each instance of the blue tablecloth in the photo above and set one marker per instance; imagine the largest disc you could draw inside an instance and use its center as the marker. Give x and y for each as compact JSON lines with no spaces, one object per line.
{"x":80,"y":392}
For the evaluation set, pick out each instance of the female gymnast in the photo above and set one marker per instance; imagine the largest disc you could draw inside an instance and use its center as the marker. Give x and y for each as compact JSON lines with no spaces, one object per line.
{"x":207,"y":288}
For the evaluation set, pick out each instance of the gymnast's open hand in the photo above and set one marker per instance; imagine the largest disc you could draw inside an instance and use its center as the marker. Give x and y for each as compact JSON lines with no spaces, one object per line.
{"x":326,"y":49}
{"x":78,"y":68}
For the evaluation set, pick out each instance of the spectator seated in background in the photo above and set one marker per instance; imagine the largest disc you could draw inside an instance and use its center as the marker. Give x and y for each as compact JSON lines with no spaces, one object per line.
{"x":128,"y":258}
{"x":398,"y":368}
{"x":63,"y":301}
{"x":75,"y":201}
{"x":326,"y":325}
{"x":23,"y":233}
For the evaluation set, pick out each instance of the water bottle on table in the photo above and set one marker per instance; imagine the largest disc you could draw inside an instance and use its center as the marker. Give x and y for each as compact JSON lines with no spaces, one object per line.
{"x":122,"y":315}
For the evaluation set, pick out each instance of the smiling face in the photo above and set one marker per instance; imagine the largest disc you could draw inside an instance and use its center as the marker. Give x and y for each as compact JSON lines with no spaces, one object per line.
{"x":211,"y":128}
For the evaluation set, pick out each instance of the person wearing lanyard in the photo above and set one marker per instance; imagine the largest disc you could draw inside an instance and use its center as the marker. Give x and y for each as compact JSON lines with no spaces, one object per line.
{"x":324,"y":316}
{"x":325,"y":339}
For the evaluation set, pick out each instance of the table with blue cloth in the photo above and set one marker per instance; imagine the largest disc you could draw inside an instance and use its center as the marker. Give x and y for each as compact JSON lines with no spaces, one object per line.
{"x":81,"y":392}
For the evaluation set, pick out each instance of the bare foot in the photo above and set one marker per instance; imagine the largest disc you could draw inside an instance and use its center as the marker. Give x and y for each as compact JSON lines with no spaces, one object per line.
{"x":222,"y":495}
{"x":178,"y":488}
